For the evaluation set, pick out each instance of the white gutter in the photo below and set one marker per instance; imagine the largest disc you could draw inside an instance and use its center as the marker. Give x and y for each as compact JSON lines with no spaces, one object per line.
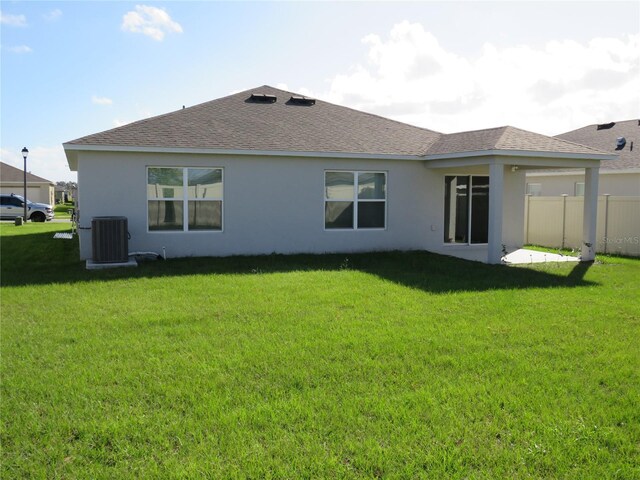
{"x":71,"y":150}
{"x":71,"y":147}
{"x":603,"y":171}
{"x":521,"y":153}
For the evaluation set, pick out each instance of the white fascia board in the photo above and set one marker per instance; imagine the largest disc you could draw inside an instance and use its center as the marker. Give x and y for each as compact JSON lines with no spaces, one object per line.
{"x":29,"y":182}
{"x":578,"y":172}
{"x":70,"y":148}
{"x":520,"y":153}
{"x":460,"y":162}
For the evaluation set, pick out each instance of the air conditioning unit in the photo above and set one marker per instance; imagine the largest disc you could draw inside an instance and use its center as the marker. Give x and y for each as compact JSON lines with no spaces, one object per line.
{"x":110,"y":239}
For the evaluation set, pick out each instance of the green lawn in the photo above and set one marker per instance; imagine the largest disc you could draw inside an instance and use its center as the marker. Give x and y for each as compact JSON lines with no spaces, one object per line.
{"x":61,"y":210}
{"x":391,"y":365}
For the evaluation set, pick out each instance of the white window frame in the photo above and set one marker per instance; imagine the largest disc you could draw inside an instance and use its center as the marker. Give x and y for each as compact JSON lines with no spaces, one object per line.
{"x":186,"y":199}
{"x":578,"y":189}
{"x":355,"y":201}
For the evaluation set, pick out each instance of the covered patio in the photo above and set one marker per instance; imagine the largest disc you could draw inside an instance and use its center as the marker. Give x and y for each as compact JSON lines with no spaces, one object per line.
{"x":504,"y":155}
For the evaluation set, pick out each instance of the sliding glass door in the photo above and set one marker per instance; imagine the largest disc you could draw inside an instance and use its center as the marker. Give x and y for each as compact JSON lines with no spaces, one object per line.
{"x":466,"y":209}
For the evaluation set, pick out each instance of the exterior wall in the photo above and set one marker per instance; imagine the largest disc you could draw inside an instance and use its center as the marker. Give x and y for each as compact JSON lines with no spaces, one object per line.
{"x":35,"y":193}
{"x":513,"y":209}
{"x":625,"y":184}
{"x":271,"y":205}
{"x":276,"y":205}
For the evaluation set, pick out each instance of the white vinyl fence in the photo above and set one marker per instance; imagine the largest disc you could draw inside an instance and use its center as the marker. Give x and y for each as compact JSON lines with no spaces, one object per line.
{"x":556,"y":222}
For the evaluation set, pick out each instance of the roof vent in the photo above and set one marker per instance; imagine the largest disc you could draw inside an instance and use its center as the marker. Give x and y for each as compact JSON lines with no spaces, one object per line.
{"x":263,"y":98}
{"x":605,"y":126}
{"x":620,"y":143}
{"x":298,"y":100}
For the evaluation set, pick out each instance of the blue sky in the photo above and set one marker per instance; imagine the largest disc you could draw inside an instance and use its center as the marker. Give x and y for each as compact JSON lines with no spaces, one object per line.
{"x":74,"y":68}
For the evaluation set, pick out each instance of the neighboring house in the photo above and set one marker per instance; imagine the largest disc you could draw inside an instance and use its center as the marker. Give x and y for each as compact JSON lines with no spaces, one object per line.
{"x":266,"y":170}
{"x":39,"y":190}
{"x":619,"y":177}
{"x":61,"y":194}
{"x":64,"y":194}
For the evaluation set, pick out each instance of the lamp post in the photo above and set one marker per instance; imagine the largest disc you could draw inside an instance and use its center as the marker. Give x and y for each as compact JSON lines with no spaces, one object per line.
{"x":25,"y":152}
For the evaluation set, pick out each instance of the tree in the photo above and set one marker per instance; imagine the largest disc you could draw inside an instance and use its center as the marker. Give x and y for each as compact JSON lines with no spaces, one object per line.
{"x":67,"y":185}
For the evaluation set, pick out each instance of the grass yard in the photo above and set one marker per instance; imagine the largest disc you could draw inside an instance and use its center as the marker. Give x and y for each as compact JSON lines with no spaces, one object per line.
{"x":61,"y":210}
{"x":390,"y":365}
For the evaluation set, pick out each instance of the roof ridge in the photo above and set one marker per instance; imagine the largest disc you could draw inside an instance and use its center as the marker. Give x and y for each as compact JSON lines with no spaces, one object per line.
{"x":616,"y":122}
{"x":361,"y":111}
{"x":477,"y":130}
{"x":595,"y":150}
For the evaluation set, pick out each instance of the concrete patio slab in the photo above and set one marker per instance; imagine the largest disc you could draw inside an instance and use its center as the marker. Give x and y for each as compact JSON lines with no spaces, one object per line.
{"x":523,"y":256}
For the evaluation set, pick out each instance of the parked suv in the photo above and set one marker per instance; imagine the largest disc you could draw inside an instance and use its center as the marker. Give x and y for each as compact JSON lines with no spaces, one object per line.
{"x":12,"y":206}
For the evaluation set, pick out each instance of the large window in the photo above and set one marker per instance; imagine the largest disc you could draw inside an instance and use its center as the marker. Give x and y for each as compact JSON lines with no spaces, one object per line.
{"x":355,"y":200}
{"x":466,"y":209}
{"x":184,"y":199}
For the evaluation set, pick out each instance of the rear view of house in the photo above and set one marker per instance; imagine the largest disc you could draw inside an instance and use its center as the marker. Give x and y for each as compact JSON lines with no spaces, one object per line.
{"x":266,"y":170}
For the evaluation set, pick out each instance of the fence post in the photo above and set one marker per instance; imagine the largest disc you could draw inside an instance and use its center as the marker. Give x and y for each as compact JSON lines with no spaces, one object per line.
{"x":606,"y":221}
{"x":564,"y":218}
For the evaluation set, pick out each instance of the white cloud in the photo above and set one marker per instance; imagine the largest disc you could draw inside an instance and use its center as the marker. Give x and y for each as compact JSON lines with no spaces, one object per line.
{"x":13,"y":20}
{"x":53,"y":15}
{"x":151,"y":21}
{"x":101,"y":100}
{"x":45,"y":161}
{"x":563,"y":85}
{"x":19,"y":49}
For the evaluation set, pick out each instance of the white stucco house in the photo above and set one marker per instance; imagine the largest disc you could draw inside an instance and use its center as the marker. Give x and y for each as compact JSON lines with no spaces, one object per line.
{"x":266,"y":170}
{"x":620,"y":177}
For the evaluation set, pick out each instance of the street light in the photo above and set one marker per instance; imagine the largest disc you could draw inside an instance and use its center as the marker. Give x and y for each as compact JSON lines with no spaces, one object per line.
{"x":25,"y":152}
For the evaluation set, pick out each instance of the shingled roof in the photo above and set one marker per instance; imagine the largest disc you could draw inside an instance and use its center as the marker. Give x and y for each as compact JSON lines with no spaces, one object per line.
{"x":282,"y":124}
{"x":11,"y":174}
{"x":605,"y":139}
{"x":505,"y":138}
{"x":237,"y":123}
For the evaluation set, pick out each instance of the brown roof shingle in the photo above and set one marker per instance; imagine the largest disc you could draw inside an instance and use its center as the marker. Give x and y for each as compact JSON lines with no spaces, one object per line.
{"x":605,"y":139}
{"x":505,"y":138}
{"x":235,"y":123}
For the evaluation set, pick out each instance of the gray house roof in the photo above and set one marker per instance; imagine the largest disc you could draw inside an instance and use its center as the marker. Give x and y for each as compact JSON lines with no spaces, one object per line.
{"x":505,"y":138}
{"x":237,"y":123}
{"x":281,"y":121}
{"x":10,"y":174}
{"x":605,"y":139}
